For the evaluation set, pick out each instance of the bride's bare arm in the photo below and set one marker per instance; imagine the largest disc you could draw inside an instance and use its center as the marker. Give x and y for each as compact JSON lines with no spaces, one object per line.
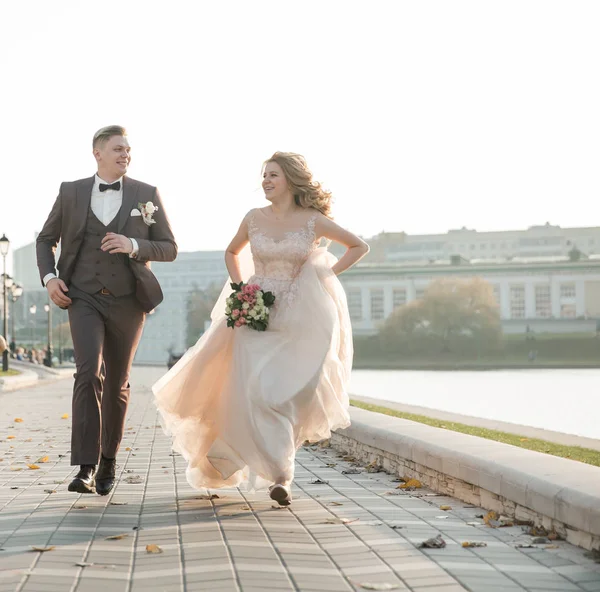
{"x":239,"y":241}
{"x":356,"y":248}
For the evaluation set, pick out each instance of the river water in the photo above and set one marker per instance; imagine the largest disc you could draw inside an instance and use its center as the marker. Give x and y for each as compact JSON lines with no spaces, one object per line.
{"x":561,"y":400}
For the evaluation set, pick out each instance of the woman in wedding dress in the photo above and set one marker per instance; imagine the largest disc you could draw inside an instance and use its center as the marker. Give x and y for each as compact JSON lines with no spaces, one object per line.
{"x":240,"y":402}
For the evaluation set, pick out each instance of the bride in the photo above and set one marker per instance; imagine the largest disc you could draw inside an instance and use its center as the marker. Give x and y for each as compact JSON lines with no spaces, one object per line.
{"x":240,"y":402}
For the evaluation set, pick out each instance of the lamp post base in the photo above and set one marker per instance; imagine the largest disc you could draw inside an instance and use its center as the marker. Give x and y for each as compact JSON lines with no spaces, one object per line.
{"x":5,"y":361}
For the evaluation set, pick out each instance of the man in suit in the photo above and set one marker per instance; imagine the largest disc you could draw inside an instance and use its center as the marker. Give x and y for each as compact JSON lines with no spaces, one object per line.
{"x":109,"y":226}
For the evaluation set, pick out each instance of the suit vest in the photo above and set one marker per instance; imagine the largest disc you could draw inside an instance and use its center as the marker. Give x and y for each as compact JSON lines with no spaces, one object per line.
{"x":96,"y":269}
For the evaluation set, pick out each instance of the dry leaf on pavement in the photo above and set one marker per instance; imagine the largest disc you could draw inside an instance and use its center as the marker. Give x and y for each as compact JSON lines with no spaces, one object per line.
{"x":44,"y":459}
{"x":43,"y":549}
{"x":434,"y":543}
{"x":64,"y":416}
{"x":378,"y":586}
{"x":445,"y":508}
{"x":18,"y":420}
{"x":116,"y":537}
{"x":410,"y":484}
{"x":153,"y":549}
{"x":468,"y":544}
{"x":33,"y":467}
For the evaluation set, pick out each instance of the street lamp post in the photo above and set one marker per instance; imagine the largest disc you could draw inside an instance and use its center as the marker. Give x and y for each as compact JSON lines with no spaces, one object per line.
{"x":4,"y":246}
{"x":48,"y":361}
{"x":16,"y":293}
{"x":32,"y":310}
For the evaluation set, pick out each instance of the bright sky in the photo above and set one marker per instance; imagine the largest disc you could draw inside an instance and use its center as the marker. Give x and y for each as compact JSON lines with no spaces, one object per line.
{"x":419,"y":116}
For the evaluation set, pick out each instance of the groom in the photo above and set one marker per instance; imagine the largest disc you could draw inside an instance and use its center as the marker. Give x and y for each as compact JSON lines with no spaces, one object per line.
{"x":109,"y":226}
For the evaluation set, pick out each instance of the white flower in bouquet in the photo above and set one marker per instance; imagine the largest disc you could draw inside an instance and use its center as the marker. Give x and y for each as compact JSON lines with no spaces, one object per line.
{"x":245,"y":306}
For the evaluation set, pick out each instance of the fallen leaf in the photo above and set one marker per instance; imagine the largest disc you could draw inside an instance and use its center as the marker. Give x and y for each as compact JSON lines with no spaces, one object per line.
{"x":351,"y":472}
{"x":16,"y":468}
{"x":116,"y":537}
{"x":212,"y":496}
{"x":49,"y":490}
{"x":43,"y":549}
{"x":551,"y":547}
{"x":153,"y":549}
{"x":349,"y":458}
{"x":44,"y":459}
{"x":10,"y":437}
{"x":64,"y":416}
{"x":128,"y":448}
{"x":524,"y":439}
{"x":378,"y":586}
{"x":33,"y":467}
{"x":474,"y":523}
{"x":470,"y":544}
{"x":445,"y":508}
{"x":29,"y":440}
{"x":434,"y":543}
{"x":80,"y":507}
{"x":335,"y":504}
{"x":339,"y":520}
{"x":134,"y":480}
{"x":83,"y":564}
{"x":118,"y":503}
{"x":318,"y":482}
{"x":410,"y":484}
{"x":491,"y":519}
{"x":18,"y":420}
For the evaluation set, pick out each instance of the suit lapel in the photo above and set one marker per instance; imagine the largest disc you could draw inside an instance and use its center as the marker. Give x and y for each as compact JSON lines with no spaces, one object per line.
{"x":84,"y":198}
{"x":130,"y":189}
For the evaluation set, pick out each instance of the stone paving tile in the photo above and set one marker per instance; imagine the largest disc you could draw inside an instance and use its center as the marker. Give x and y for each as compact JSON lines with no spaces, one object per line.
{"x":352,"y":529}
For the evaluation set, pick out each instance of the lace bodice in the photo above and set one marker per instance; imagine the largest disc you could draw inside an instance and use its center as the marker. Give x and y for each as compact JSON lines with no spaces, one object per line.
{"x":280,"y":258}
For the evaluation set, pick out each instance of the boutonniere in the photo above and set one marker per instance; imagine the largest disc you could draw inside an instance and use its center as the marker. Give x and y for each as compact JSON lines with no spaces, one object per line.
{"x":147,"y":209}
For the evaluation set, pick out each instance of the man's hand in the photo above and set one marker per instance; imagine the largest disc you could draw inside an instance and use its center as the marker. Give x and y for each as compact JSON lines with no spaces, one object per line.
{"x":57,"y":290}
{"x":116,"y":243}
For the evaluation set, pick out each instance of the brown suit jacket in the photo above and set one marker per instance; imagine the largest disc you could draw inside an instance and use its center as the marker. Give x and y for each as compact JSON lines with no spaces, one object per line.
{"x":66,"y":223}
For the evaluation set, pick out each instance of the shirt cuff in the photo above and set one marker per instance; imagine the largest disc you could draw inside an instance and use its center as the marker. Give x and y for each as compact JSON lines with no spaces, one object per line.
{"x":136,"y":248}
{"x":47,"y":278}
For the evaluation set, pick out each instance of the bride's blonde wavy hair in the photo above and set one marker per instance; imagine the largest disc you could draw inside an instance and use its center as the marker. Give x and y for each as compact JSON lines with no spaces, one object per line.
{"x":307,"y":192}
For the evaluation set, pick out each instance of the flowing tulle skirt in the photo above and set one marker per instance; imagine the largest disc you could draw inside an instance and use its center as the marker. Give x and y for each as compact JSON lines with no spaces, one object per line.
{"x":240,"y":402}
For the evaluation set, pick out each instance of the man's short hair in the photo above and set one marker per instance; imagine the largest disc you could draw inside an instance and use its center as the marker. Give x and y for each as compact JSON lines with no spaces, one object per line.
{"x":104,"y":134}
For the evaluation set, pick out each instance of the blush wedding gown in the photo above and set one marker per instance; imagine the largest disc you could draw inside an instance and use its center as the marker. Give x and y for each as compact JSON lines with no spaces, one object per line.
{"x":240,"y":402}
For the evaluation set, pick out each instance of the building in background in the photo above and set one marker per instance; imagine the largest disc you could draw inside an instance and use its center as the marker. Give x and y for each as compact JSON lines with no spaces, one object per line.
{"x":166,"y":329}
{"x":557,"y":295}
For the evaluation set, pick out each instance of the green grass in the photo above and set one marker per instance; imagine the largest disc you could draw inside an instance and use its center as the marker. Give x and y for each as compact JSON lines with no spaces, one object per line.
{"x":9,"y":373}
{"x":584,"y":455}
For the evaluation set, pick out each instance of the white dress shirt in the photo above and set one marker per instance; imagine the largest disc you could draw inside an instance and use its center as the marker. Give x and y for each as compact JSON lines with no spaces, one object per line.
{"x":105,"y":205}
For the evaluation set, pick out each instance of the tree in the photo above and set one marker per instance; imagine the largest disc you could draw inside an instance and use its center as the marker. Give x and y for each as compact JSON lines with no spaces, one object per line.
{"x":453,"y":315}
{"x":199,"y":306}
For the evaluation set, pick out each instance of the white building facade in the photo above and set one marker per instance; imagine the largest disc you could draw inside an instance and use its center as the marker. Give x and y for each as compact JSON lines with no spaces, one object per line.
{"x":560,"y":296}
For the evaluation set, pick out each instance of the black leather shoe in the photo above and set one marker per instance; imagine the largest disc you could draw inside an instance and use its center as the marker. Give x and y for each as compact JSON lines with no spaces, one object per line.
{"x":84,"y":481}
{"x":105,"y":477}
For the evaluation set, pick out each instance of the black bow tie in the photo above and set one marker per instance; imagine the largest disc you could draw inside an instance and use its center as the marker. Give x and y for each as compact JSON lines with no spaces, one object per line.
{"x":115,"y":186}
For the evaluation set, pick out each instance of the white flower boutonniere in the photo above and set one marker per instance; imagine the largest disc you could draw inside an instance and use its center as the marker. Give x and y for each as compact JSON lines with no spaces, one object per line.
{"x":147,"y":211}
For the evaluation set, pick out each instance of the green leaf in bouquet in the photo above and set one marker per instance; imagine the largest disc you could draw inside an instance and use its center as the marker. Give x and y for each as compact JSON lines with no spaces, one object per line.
{"x":260,"y":325}
{"x":269,"y":298}
{"x":236,"y":287}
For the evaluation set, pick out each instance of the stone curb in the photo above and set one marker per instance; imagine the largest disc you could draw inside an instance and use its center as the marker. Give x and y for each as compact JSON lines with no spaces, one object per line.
{"x":557,"y":493}
{"x":20,"y":381}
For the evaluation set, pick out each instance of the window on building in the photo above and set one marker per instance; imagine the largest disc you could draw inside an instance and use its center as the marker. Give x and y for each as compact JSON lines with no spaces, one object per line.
{"x":399,"y":297}
{"x":517,"y":302}
{"x":567,"y":291}
{"x":543,"y":302}
{"x":419,"y":293}
{"x":355,"y":304}
{"x":496,"y":289}
{"x":377,"y":311}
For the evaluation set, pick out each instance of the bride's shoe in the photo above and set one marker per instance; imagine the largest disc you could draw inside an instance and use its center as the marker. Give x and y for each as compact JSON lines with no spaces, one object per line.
{"x":281,"y":494}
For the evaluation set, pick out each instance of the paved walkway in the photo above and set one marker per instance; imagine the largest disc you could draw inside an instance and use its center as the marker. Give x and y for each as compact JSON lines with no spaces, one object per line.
{"x":356,"y":531}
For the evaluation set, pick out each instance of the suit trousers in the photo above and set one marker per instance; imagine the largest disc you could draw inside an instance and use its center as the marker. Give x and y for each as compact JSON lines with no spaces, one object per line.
{"x":106,"y":331}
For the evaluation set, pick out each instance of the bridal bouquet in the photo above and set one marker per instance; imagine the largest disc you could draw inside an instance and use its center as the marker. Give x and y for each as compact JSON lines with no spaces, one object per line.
{"x":248,"y":305}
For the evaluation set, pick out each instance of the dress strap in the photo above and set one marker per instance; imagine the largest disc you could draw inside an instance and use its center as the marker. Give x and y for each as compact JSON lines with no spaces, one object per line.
{"x":252,"y":226}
